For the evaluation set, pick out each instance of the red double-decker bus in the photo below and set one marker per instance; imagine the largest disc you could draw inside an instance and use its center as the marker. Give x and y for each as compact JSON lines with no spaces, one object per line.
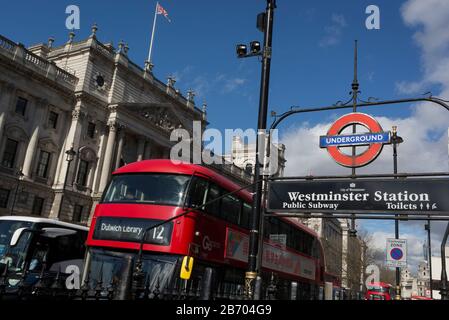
{"x":146,"y":193}
{"x":379,"y":291}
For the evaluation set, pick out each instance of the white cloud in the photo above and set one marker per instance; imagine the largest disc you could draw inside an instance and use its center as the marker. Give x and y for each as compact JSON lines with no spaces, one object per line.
{"x":430,"y":17}
{"x":184,"y":73}
{"x":204,"y":84}
{"x":333,"y":31}
{"x":370,"y":76}
{"x":409,"y":87}
{"x":420,"y":152}
{"x":338,"y":20}
{"x":232,"y":84}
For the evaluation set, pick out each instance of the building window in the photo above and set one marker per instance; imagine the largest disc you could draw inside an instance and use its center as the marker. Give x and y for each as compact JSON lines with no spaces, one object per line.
{"x":77,"y":213}
{"x":91,"y":130}
{"x":38,"y":205}
{"x":4,"y":196}
{"x":42,"y":166}
{"x":9,"y":155}
{"x":21,"y":106}
{"x":82,"y":173}
{"x":53,"y":119}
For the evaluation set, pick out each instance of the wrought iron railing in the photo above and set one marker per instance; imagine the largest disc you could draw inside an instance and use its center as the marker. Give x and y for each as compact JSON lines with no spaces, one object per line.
{"x":53,"y":286}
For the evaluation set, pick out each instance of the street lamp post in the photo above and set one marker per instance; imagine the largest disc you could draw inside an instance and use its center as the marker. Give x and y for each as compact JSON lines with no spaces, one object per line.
{"x":20,"y":176}
{"x":396,"y":140}
{"x":70,"y":155}
{"x":444,"y":290}
{"x":429,"y":261}
{"x":265,"y":24}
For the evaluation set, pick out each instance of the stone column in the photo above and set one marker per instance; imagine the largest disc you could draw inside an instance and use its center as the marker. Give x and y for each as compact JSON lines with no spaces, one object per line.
{"x":2,"y":124}
{"x":6,"y":94}
{"x":121,"y":142}
{"x":32,"y":145}
{"x":140,"y":148}
{"x":30,"y":153}
{"x":72,"y":139}
{"x":100,"y":156}
{"x":105,"y":173}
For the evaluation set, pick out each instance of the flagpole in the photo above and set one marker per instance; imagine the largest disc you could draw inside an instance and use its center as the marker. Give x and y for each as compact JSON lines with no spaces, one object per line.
{"x":152,"y":34}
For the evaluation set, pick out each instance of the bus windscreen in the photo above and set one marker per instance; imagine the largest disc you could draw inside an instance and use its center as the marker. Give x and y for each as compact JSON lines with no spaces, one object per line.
{"x":163,"y":189}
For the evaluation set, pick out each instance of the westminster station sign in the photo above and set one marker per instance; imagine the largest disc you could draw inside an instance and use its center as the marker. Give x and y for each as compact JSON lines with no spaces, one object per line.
{"x":414,"y":196}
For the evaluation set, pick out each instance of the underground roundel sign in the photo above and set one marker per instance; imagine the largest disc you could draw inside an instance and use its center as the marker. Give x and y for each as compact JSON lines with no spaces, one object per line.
{"x":375,"y":138}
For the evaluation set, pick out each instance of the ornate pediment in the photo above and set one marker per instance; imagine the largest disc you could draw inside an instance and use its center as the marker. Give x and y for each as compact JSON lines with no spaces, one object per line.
{"x":16,"y":132}
{"x":87,"y":154}
{"x":160,"y":115}
{"x":162,"y":118}
{"x":48,"y":145}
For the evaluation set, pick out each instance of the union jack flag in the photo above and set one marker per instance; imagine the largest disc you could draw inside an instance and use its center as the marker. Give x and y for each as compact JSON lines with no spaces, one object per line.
{"x":162,"y":11}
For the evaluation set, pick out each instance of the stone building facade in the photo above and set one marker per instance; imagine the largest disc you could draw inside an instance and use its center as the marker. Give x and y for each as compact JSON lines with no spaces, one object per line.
{"x":409,"y":284}
{"x":423,"y":279}
{"x":83,"y":96}
{"x":243,"y":155}
{"x":418,"y":285}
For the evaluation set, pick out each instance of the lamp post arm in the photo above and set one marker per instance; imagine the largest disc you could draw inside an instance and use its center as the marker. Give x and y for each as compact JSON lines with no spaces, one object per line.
{"x":279,"y":119}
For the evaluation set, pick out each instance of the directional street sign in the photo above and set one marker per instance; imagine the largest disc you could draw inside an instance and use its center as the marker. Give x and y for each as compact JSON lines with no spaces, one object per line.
{"x":396,"y":253}
{"x":386,"y":196}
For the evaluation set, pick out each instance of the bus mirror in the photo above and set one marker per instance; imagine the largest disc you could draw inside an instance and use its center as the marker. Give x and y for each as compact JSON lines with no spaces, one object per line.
{"x":186,"y":268}
{"x":18,"y":233}
{"x":16,"y":236}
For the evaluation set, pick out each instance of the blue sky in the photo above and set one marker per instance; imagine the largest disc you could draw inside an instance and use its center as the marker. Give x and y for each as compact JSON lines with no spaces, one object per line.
{"x":312,"y":53}
{"x":312,"y":56}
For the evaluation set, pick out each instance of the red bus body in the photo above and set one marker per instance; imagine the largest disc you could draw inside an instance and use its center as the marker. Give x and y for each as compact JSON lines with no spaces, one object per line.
{"x":420,"y":298}
{"x":379,"y":291}
{"x":209,"y":239}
